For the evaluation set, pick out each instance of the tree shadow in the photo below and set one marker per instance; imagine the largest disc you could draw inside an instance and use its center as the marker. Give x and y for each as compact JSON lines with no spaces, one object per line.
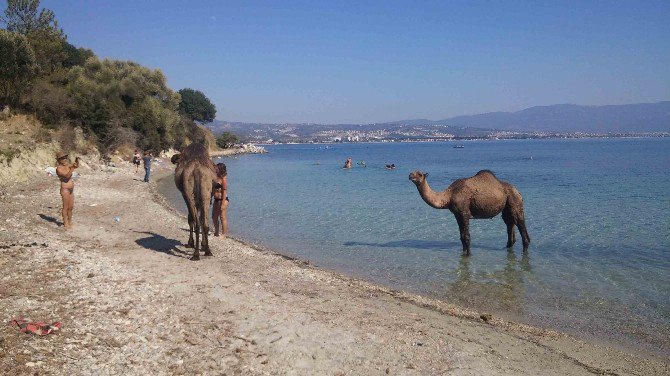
{"x":416,"y":243}
{"x":51,"y":219}
{"x":160,"y":243}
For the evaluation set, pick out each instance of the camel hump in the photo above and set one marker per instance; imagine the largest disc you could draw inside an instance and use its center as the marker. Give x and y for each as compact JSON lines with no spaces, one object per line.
{"x":195,"y":152}
{"x":485,"y":172}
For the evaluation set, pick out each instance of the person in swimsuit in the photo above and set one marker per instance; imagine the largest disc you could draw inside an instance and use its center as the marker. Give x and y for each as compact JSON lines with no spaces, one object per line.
{"x":347,"y":164}
{"x":220,"y":208}
{"x":136,"y":160}
{"x":64,"y":171}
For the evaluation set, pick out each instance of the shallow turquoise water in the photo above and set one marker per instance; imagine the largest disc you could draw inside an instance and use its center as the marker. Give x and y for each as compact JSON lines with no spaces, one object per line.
{"x":599,"y":261}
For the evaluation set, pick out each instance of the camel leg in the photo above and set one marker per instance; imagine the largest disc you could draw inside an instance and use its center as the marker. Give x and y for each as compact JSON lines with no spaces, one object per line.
{"x":525,"y":238}
{"x":464,"y":227}
{"x":520,"y":221}
{"x":205,"y":229}
{"x":509,"y":221}
{"x":191,"y":224}
{"x":196,"y":249}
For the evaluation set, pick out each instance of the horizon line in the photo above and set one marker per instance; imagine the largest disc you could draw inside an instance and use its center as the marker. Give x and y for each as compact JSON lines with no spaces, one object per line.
{"x":443,"y":119}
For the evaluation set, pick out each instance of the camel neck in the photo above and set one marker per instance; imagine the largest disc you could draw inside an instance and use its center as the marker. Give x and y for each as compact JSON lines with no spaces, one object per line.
{"x":438,"y":200}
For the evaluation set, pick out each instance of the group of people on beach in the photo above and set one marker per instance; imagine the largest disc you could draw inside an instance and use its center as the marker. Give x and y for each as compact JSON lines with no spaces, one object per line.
{"x":219,"y":199}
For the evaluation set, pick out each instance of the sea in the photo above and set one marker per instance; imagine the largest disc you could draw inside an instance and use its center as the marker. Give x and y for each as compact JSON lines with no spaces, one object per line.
{"x":597,"y":211}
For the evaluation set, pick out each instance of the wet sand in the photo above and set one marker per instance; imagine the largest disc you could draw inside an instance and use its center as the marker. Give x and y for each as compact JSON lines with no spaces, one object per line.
{"x":131,"y":302}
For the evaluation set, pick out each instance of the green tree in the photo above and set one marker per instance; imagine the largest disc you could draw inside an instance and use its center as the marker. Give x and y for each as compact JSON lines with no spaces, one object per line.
{"x":41,"y":28}
{"x":196,"y":106}
{"x":21,"y":16}
{"x":226,"y":140}
{"x":17,"y":67}
{"x":75,"y":56}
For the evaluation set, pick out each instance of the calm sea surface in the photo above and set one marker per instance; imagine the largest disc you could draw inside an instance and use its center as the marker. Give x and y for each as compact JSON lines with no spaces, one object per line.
{"x":596,"y":210}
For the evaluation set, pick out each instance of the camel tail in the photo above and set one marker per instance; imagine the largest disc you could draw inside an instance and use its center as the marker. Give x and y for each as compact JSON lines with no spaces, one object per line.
{"x":190,"y":195}
{"x":202,"y":188}
{"x":198,"y":193}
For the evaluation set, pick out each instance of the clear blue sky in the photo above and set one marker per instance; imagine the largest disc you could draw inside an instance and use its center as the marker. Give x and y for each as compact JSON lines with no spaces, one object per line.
{"x":371,"y":61}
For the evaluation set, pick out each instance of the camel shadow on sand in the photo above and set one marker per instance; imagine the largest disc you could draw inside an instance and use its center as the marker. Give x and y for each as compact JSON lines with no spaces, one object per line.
{"x":416,"y":243}
{"x":160,"y":243}
{"x":51,"y":219}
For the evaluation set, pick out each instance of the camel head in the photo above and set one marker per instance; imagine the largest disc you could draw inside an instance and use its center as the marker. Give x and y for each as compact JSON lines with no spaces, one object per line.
{"x":417,"y":177}
{"x":175,"y":158}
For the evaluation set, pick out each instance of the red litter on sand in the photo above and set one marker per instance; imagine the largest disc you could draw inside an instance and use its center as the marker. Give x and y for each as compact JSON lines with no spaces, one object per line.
{"x":39,"y":328}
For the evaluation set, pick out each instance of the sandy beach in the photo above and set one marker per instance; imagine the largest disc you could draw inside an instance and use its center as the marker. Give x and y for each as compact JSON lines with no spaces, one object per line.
{"x":132,"y":303}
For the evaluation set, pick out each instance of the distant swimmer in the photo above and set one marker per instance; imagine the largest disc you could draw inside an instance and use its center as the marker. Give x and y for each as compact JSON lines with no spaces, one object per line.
{"x":390,"y":166}
{"x":347,"y":164}
{"x":361,"y":163}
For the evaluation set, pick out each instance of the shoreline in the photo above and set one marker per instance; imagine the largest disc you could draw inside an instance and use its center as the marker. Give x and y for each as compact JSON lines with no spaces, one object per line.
{"x":256,"y":311}
{"x":246,"y":149}
{"x":431,"y":303}
{"x":594,"y":137}
{"x":502,"y":319}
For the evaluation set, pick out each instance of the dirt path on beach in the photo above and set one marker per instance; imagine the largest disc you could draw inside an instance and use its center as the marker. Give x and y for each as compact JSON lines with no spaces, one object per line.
{"x":132,"y":303}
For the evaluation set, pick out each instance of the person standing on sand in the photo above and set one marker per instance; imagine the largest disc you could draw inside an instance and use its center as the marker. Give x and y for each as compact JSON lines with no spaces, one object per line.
{"x":220,"y":208}
{"x":137,"y":157}
{"x":147,"y":165}
{"x":64,"y":171}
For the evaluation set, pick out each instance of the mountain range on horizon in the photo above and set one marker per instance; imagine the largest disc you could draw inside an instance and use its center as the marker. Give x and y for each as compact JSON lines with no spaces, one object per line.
{"x":559,"y":118}
{"x":562,"y":118}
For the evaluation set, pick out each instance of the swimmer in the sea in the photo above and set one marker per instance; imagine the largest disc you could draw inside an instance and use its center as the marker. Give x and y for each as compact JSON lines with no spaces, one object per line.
{"x":347,"y":164}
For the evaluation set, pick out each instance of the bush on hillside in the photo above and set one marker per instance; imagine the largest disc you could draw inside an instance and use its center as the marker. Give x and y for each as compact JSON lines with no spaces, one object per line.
{"x":50,"y":102}
{"x":226,"y":140}
{"x":113,"y":102}
{"x":109,"y":94}
{"x":17,"y":67}
{"x":42,"y":31}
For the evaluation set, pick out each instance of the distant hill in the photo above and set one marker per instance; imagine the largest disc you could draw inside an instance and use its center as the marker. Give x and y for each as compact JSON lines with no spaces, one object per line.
{"x":560,"y":118}
{"x":564,"y":118}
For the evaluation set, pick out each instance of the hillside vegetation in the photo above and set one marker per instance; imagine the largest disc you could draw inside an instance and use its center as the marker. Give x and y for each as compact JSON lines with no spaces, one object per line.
{"x":118,"y":105}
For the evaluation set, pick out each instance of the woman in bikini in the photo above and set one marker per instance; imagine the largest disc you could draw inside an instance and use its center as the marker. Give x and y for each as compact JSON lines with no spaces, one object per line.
{"x":136,"y":160}
{"x":220,"y":209}
{"x":64,"y":171}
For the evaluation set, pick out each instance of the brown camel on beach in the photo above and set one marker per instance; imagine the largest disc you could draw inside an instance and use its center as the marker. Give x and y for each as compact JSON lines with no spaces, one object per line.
{"x":479,"y":196}
{"x":195,"y":177}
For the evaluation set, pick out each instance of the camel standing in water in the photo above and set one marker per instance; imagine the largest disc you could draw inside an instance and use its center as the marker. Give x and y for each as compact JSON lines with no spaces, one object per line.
{"x":479,"y":196}
{"x":194,"y":177}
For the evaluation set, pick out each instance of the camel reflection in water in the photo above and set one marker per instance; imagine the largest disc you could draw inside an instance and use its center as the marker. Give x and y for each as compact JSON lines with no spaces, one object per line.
{"x":492,"y":289}
{"x":498,"y":290}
